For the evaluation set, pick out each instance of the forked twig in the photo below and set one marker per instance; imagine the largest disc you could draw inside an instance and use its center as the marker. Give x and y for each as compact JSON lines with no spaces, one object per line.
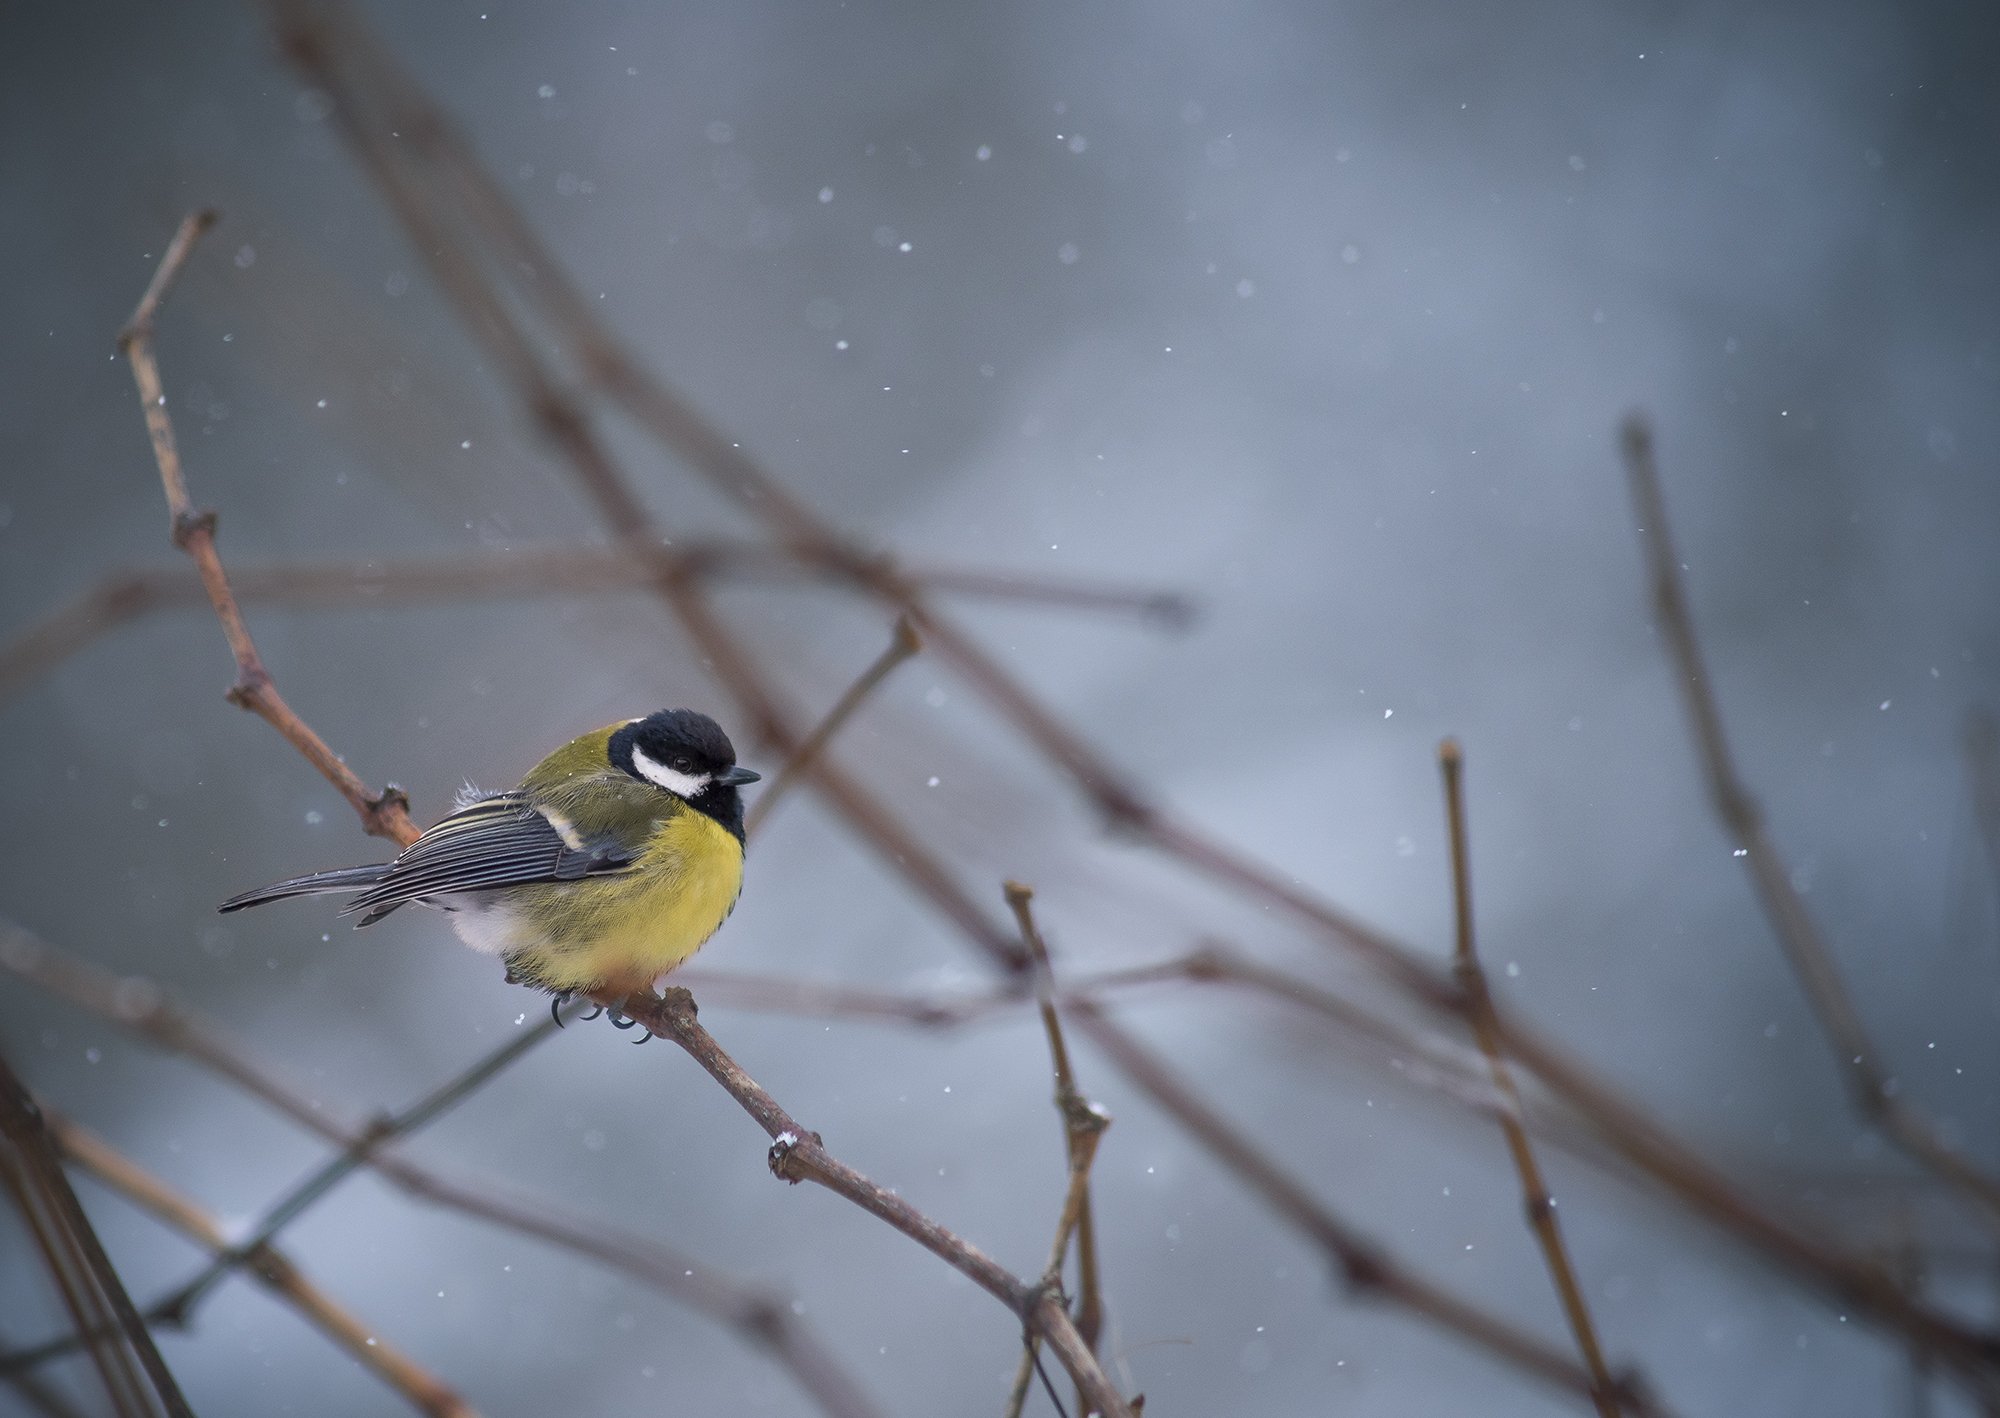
{"x":136,"y":1380}
{"x":1369,"y":1272}
{"x":177,"y":1307}
{"x":903,"y":643}
{"x":1742,"y":818}
{"x":765,"y":1320}
{"x":125,"y":596}
{"x":798,"y":1155}
{"x":383,"y":814}
{"x":337,"y":57}
{"x":428,"y":167}
{"x":32,"y":1391}
{"x":425,"y":1391}
{"x":1677,"y":1167}
{"x":1982,"y":767}
{"x":1541,"y":1207}
{"x":1427,"y":1061}
{"x":1083,"y":1123}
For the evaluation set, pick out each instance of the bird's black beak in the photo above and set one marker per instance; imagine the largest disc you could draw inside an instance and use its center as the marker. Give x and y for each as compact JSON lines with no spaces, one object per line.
{"x":736,"y":777}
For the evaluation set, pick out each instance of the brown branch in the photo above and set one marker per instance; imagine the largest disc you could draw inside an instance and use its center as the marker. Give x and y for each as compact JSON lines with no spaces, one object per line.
{"x":1368,"y":1271}
{"x":1428,"y":1061}
{"x":1742,"y":818}
{"x":903,"y":643}
{"x":386,"y":815}
{"x":1982,"y":766}
{"x":136,"y":1380}
{"x":337,"y":57}
{"x":33,"y":1392}
{"x":126,"y":596}
{"x":273,"y":1269}
{"x":1908,"y":1262}
{"x":1670,"y":1165}
{"x":428,"y":166}
{"x":766,"y":1321}
{"x":178,"y":1306}
{"x":383,"y":814}
{"x":1861,"y":1284}
{"x":1541,"y":1207}
{"x":321,"y":51}
{"x":1083,"y":1123}
{"x":798,"y":1155}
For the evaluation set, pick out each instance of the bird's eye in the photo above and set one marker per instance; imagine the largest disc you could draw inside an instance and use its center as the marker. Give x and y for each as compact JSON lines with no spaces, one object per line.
{"x":683,"y":764}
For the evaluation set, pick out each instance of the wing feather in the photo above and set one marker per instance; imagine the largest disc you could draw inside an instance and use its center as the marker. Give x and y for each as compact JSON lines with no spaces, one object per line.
{"x":498,"y":841}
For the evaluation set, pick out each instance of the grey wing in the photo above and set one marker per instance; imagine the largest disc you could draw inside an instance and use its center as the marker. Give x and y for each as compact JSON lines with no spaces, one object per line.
{"x":497,"y":841}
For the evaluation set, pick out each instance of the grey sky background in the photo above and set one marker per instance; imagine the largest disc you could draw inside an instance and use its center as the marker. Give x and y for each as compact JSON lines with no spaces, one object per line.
{"x":1324,"y":313}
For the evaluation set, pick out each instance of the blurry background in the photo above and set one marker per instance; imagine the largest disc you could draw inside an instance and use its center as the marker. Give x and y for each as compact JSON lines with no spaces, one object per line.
{"x":1324,"y":313}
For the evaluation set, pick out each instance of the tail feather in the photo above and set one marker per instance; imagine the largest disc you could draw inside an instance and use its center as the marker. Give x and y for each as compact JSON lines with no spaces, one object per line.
{"x":346,"y":879}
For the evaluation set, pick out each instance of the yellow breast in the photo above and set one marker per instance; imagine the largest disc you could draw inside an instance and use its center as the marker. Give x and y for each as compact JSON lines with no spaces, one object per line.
{"x":616,"y":934}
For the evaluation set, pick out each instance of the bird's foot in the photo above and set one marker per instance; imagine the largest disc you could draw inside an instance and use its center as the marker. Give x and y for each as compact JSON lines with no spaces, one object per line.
{"x":620,"y":1021}
{"x":559,"y":999}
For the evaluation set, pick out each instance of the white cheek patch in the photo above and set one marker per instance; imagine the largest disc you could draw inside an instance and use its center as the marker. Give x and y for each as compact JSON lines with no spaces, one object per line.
{"x":682,"y":785}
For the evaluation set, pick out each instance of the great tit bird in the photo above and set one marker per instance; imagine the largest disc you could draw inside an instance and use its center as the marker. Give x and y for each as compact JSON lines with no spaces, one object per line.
{"x":616,"y":858}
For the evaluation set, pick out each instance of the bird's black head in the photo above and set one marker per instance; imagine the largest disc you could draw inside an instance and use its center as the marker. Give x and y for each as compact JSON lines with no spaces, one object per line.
{"x":685,"y":753}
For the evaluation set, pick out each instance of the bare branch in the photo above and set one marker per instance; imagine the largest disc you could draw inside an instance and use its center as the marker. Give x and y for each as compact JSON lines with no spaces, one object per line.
{"x":463,"y":226}
{"x":32,"y":1391}
{"x":1367,"y":1270}
{"x":764,"y":1320}
{"x":1982,"y":766}
{"x":136,"y":1380}
{"x":1741,"y":817}
{"x":798,"y":1155}
{"x":126,"y":596}
{"x":383,"y":814}
{"x":273,"y":1270}
{"x":178,"y":1306}
{"x":1083,"y":1123}
{"x":331,"y":51}
{"x":903,"y":643}
{"x":1541,"y":1207}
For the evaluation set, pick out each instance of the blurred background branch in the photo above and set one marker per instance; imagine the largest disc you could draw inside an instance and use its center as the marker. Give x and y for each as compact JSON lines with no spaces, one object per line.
{"x":1395,"y":530}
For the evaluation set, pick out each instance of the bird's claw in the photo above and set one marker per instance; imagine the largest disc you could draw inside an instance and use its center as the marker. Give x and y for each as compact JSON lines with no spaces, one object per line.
{"x":558,"y":1002}
{"x":620,"y":1021}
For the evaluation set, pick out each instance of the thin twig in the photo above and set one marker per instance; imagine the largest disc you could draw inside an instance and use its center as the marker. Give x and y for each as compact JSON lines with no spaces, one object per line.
{"x":765,"y":1320}
{"x":1368,"y":1271}
{"x":1634,"y":1139}
{"x":1083,"y":1124}
{"x":383,"y":814}
{"x":35,"y":1393}
{"x":330,"y":49}
{"x":125,"y":596}
{"x":1908,"y":1262}
{"x":178,"y":1306}
{"x":798,"y":1155}
{"x":425,"y":1392}
{"x":348,"y":67}
{"x":315,"y":46}
{"x":136,"y":1380}
{"x":427,"y":165}
{"x":1541,"y":1207}
{"x":903,"y":643}
{"x":1742,"y":818}
{"x":1982,"y":767}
